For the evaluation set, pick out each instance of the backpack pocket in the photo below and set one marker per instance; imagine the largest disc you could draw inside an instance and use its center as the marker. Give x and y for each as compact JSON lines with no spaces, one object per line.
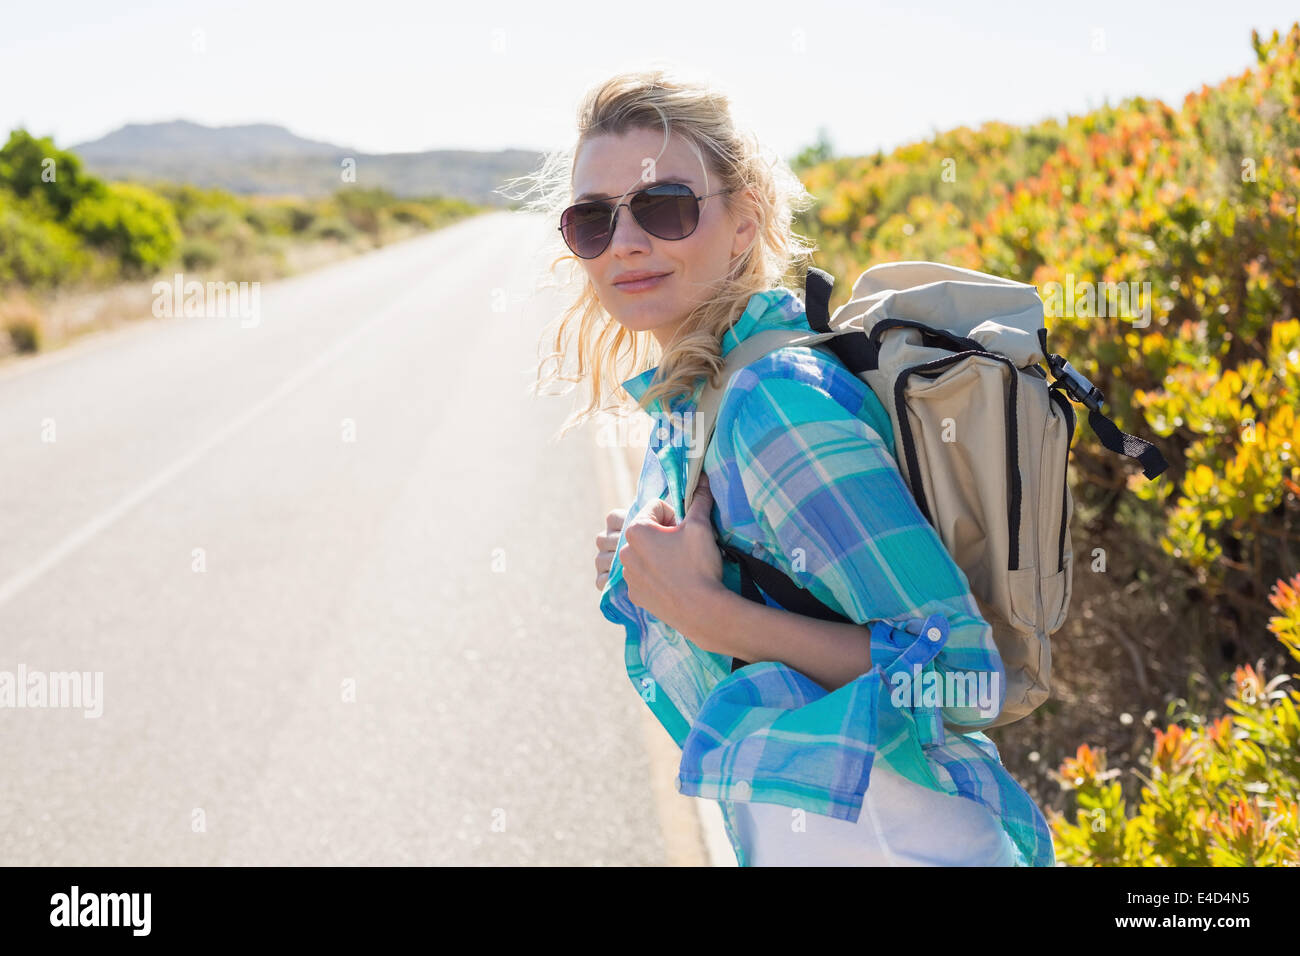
{"x":961,"y":442}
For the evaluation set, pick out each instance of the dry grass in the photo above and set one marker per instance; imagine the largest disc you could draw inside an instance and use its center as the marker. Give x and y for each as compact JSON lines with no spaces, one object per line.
{"x":22,"y":327}
{"x":66,"y":315}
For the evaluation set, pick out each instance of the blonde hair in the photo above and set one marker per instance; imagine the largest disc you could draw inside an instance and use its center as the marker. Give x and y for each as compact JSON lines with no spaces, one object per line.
{"x":607,"y":353}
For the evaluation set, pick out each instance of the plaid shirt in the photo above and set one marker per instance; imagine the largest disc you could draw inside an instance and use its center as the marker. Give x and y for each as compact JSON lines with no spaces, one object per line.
{"x":802,"y":466}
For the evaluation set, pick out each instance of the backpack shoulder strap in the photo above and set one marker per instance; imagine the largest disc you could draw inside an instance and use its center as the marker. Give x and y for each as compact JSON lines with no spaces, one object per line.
{"x":706,"y":410}
{"x":817,"y":294}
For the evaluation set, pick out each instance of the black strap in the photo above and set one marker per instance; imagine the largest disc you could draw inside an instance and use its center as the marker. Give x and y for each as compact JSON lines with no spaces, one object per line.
{"x":1152,"y":461}
{"x":854,"y":349}
{"x":1079,"y":389}
{"x":817,"y":287}
{"x":748,"y":589}
{"x":782,"y":590}
{"x":755,"y":573}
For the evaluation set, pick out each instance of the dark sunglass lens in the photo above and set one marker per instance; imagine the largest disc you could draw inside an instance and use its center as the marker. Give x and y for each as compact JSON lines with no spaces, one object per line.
{"x":586,"y":229}
{"x":669,"y":211}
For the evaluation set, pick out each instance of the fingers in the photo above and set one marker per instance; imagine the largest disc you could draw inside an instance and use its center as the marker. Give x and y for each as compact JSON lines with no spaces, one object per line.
{"x":702,"y":504}
{"x":604,"y":560}
{"x":615,"y":519}
{"x":661,"y":512}
{"x":603,"y":564}
{"x":607,"y":544}
{"x":657,"y":513}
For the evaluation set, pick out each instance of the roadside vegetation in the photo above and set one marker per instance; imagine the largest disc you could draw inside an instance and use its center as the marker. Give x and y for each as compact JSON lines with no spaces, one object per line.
{"x":69,"y":237}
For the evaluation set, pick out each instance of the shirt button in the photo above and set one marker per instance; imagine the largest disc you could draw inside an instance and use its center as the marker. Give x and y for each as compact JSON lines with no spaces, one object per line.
{"x":742,"y":788}
{"x":934,"y":634}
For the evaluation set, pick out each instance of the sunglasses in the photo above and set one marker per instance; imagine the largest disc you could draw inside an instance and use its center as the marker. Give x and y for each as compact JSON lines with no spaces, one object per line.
{"x":665,"y":210}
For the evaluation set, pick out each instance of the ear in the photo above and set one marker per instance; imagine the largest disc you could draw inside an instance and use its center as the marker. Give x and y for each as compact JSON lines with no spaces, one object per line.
{"x":746,"y":222}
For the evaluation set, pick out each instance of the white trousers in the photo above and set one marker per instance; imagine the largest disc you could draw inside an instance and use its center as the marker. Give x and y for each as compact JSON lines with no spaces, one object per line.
{"x":901,"y":824}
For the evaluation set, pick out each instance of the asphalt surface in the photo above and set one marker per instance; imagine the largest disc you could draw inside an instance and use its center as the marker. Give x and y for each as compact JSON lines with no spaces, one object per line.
{"x":317,"y":650}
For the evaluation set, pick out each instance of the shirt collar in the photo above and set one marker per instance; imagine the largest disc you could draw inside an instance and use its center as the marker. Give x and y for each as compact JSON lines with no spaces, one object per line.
{"x":770,"y":309}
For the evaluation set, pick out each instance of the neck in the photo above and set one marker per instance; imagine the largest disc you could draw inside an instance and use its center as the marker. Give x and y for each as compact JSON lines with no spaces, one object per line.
{"x":665,"y":334}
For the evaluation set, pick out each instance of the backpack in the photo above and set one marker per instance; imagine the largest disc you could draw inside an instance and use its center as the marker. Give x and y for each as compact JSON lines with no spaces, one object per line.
{"x":982,"y":442}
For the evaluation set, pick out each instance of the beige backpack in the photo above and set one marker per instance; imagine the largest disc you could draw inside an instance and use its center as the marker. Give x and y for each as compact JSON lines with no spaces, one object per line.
{"x":982,"y":441}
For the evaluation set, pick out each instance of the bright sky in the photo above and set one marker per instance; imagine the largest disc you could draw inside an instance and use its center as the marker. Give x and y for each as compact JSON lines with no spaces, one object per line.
{"x":388,"y":76}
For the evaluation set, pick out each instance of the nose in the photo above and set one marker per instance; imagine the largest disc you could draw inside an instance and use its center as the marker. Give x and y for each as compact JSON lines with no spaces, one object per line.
{"x":627,"y":231}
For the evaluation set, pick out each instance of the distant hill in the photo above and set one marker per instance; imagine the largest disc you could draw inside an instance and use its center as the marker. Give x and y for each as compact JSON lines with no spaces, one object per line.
{"x":265,"y":158}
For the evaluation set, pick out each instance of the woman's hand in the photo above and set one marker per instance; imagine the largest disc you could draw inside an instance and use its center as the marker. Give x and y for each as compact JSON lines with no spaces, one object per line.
{"x":672,"y":568}
{"x":607,"y":544}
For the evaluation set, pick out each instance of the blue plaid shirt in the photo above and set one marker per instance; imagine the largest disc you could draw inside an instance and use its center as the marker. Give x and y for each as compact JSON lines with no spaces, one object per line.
{"x":803,"y":476}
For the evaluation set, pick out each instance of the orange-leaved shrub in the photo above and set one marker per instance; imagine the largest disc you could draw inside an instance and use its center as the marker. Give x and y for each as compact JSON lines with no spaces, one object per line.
{"x":1216,"y":792}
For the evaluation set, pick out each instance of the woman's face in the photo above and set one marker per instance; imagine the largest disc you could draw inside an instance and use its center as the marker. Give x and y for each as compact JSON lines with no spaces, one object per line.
{"x":610,"y":165}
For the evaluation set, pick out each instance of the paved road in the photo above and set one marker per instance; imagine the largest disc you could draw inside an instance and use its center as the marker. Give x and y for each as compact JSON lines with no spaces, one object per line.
{"x":439,"y":563}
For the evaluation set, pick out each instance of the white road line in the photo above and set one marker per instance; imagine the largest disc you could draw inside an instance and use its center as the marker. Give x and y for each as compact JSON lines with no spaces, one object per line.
{"x":86,"y":532}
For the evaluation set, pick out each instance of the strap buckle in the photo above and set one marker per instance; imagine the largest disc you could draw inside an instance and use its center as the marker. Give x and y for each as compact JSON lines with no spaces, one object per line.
{"x":1075,"y":385}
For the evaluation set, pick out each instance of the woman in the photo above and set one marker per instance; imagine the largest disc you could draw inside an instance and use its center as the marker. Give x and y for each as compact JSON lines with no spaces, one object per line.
{"x":682,"y":231}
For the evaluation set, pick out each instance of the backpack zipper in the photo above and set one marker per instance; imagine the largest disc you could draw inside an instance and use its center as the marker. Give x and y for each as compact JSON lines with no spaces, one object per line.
{"x":947,"y":340}
{"x":1064,"y":402}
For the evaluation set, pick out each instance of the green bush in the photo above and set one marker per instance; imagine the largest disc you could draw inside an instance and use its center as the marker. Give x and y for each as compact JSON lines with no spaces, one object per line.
{"x":366,"y":210}
{"x":36,"y":252}
{"x":301,"y":218}
{"x":199,"y":254}
{"x":269,"y":218}
{"x":333,"y":227}
{"x":422,"y":214}
{"x":196,"y":206}
{"x":34,"y":169}
{"x":135,"y":223}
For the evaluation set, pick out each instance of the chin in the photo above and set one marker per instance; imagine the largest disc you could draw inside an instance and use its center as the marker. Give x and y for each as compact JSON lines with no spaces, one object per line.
{"x":643,"y":320}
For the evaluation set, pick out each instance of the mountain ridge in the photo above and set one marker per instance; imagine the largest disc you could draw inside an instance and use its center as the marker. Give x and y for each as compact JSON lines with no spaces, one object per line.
{"x":268,"y":158}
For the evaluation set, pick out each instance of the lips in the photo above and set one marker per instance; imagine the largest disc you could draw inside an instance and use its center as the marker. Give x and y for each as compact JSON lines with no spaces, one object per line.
{"x":638,"y":281}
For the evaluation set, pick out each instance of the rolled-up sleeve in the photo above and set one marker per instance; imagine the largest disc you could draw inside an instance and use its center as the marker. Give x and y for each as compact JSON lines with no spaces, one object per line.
{"x":828,"y":506}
